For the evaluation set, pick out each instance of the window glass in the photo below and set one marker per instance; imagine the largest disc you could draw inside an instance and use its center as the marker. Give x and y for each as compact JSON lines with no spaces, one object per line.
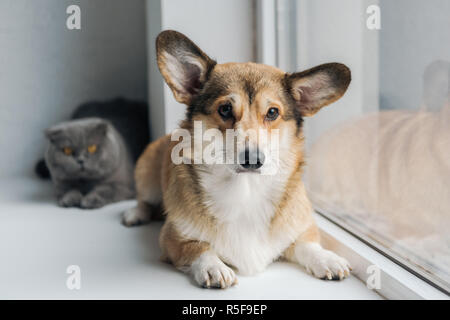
{"x":378,"y":160}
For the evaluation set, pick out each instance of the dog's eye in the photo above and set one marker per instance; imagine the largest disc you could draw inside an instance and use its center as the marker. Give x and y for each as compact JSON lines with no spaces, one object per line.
{"x":226,"y":111}
{"x":272,"y":114}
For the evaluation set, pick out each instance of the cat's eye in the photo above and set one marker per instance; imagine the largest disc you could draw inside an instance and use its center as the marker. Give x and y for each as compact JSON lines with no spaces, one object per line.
{"x":272,"y":114}
{"x":92,"y":148}
{"x":67,"y":151}
{"x":226,"y":111}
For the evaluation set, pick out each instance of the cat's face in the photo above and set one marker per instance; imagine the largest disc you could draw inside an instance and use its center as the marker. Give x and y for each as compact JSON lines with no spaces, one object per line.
{"x":82,"y":149}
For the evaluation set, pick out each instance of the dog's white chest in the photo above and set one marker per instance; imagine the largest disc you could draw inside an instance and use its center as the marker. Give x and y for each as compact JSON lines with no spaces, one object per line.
{"x":244,"y":206}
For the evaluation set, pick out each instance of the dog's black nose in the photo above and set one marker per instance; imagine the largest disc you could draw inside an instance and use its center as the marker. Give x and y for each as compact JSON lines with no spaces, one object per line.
{"x":251,"y":159}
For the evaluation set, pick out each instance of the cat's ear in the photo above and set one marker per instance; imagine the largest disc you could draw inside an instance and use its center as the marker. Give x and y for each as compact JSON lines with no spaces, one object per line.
{"x":317,"y":87}
{"x":53,"y":133}
{"x":100,"y":129}
{"x":184,"y":66}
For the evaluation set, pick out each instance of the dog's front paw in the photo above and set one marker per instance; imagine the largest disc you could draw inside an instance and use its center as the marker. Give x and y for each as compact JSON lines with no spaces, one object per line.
{"x":210,"y":272}
{"x":324,"y":264}
{"x":92,"y":201}
{"x":71,"y":198}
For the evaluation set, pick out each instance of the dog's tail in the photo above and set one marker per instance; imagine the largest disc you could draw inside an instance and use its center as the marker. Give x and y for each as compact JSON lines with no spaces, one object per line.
{"x":41,"y":169}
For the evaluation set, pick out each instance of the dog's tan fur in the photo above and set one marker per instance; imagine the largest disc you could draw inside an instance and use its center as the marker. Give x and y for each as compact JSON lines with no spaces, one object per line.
{"x":193,"y":234}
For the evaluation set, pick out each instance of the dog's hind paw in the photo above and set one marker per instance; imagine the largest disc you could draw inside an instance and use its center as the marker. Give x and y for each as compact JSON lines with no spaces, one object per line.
{"x":135,"y":217}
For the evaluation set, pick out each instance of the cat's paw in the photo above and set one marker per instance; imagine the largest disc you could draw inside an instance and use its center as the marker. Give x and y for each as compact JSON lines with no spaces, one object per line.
{"x":71,"y":198}
{"x":135,"y":217}
{"x":324,"y":264}
{"x":92,"y":201}
{"x":210,"y":272}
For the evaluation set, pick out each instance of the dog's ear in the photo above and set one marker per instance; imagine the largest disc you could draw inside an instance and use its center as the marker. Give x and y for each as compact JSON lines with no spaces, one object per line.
{"x":319,"y":86}
{"x":184,"y":66}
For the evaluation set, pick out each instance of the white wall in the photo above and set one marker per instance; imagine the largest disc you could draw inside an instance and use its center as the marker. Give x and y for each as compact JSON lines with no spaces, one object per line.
{"x":223,"y":29}
{"x":46,"y":70}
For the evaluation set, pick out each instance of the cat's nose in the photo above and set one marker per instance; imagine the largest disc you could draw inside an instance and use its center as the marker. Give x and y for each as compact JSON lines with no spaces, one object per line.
{"x":80,"y":161}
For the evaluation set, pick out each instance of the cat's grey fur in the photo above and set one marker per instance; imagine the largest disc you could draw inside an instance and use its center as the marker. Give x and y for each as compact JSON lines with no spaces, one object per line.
{"x":92,"y":180}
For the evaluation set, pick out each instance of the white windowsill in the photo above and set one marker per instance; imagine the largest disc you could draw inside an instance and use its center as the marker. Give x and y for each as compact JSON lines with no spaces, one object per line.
{"x":39,"y":240}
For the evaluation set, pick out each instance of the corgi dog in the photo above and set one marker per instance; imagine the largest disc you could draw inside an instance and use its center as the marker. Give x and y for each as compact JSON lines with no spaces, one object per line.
{"x":226,"y":218}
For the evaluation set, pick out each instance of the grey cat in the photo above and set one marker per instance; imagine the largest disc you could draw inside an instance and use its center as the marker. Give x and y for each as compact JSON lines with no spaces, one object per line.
{"x":91,"y":162}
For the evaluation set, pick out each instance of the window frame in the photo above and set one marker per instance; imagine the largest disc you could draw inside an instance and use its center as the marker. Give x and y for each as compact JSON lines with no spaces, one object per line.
{"x":397,"y":282}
